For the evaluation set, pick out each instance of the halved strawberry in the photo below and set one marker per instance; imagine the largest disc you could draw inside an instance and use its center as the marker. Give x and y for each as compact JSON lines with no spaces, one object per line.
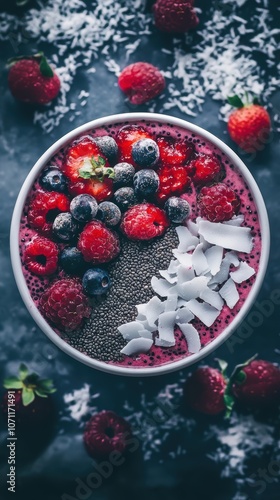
{"x":88,"y":170}
{"x":173,"y":181}
{"x":174,"y":152}
{"x":126,"y":137}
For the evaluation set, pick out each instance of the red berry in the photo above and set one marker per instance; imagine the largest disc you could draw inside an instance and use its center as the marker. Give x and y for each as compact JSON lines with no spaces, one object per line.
{"x":29,"y":81}
{"x":141,"y":82}
{"x":174,"y":152}
{"x":126,"y":137}
{"x":88,"y":170}
{"x":41,"y":256}
{"x":261,"y":385}
{"x":98,"y":244}
{"x":144,"y":222}
{"x":105,"y":433}
{"x":175,"y":17}
{"x":250,"y":127}
{"x":204,"y":391}
{"x":206,"y":169}
{"x":64,"y":304}
{"x":44,"y":208}
{"x":173,"y":181}
{"x":218,"y":203}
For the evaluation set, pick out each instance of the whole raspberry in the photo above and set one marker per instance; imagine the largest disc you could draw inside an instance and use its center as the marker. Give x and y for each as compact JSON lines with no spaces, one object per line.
{"x":144,"y":222}
{"x":141,"y":82}
{"x":206,"y":169}
{"x":44,"y":208}
{"x":64,"y":304}
{"x":218,"y":203}
{"x":41,"y":256}
{"x":32,"y":80}
{"x":175,"y":17}
{"x":104,"y":433}
{"x":98,"y":244}
{"x":204,"y":391}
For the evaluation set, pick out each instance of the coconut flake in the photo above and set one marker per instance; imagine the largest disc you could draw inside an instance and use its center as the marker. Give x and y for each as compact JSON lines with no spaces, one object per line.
{"x":170,"y":304}
{"x":229,"y":293}
{"x":214,"y":257}
{"x":199,"y":260}
{"x":137,"y":346}
{"x":165,"y":274}
{"x":173,"y":267}
{"x":185,"y":274}
{"x":192,"y":289}
{"x":183,"y":315}
{"x":192,"y":337}
{"x":154,"y":308}
{"x":160,"y":286}
{"x":203,"y":311}
{"x":130,"y":330}
{"x":166,"y":322}
{"x":146,"y":334}
{"x":192,"y":227}
{"x":184,"y":258}
{"x":213,"y":298}
{"x":187,"y":241}
{"x":243,"y":273}
{"x":226,"y":236}
{"x":236,"y":220}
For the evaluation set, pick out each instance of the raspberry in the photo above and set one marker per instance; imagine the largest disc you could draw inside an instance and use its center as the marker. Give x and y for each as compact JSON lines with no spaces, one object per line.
{"x":141,"y":82}
{"x":218,"y":203}
{"x":98,"y":244}
{"x":44,"y":208}
{"x":144,"y":222}
{"x":206,"y":169}
{"x":126,"y":137}
{"x":104,"y":433}
{"x":175,"y":17}
{"x":174,"y":152}
{"x":64,"y":304}
{"x":173,"y":181}
{"x":41,"y":256}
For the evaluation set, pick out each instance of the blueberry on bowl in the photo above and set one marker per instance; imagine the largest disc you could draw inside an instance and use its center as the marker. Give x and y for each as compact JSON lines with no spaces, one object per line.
{"x":146,"y":183}
{"x":83,"y":207}
{"x":53,"y":180}
{"x":96,"y":281}
{"x":145,"y":152}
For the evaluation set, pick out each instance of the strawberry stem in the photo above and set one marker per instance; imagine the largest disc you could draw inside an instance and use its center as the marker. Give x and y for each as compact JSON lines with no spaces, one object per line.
{"x":30,"y":384}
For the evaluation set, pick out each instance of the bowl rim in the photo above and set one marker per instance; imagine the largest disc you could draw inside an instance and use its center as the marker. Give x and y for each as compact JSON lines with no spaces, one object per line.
{"x":16,"y":261}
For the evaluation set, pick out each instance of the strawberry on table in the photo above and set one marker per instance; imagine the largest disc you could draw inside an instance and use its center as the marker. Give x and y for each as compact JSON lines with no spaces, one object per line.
{"x":31,"y":79}
{"x":250,"y":125}
{"x":204,"y":391}
{"x":88,"y":170}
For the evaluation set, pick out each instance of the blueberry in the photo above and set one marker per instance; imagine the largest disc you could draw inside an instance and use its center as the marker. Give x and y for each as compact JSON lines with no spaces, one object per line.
{"x":71,"y":261}
{"x":65,"y":228}
{"x":125,"y":198}
{"x":96,"y":281}
{"x":124,"y":173}
{"x":145,"y":152}
{"x":177,"y":209}
{"x":109,"y":213}
{"x":53,"y":180}
{"x":146,"y":183}
{"x":108,"y":147}
{"x":83,"y":207}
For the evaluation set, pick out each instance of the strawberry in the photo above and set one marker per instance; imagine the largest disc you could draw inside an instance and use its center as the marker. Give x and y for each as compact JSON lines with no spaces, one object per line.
{"x":257,"y":385}
{"x":249,"y":126}
{"x":32,"y":403}
{"x":206,"y":169}
{"x":144,"y":222}
{"x":174,"y":152}
{"x":126,"y":137}
{"x":173,"y":181}
{"x":204,"y":391}
{"x":141,"y":82}
{"x":175,"y":17}
{"x":88,"y":170}
{"x":32,"y":80}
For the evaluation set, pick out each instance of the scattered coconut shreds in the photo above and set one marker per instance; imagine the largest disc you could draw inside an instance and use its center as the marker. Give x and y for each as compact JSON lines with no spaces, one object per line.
{"x":199,"y":288}
{"x":231,"y":237}
{"x":79,"y":33}
{"x":137,"y":346}
{"x":192,"y":337}
{"x":243,"y":273}
{"x":229,"y":293}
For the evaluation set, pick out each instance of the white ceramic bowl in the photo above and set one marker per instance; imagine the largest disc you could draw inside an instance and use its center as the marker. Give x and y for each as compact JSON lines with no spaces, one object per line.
{"x":17,"y":267}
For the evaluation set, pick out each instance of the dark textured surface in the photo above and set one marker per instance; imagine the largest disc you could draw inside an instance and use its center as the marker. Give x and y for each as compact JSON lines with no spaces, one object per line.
{"x":50,"y":473}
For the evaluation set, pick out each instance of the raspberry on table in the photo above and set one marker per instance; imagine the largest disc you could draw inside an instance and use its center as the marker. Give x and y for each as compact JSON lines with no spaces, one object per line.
{"x":104,"y":433}
{"x":144,"y":222}
{"x":98,"y":244}
{"x":218,"y":203}
{"x":64,"y":304}
{"x":206,"y":169}
{"x":41,"y":256}
{"x":141,"y":82}
{"x":175,"y":17}
{"x":43,"y":209}
{"x":126,"y":137}
{"x":174,"y":152}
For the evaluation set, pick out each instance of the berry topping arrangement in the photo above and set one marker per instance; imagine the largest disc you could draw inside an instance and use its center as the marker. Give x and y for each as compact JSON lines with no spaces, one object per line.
{"x":140,"y":243}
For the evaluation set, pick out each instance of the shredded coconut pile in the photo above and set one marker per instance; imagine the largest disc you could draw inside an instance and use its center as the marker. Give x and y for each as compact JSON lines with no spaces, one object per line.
{"x":222,"y":56}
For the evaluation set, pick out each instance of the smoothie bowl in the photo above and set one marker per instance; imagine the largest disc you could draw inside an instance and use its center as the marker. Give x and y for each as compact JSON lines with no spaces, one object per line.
{"x":139,"y":242}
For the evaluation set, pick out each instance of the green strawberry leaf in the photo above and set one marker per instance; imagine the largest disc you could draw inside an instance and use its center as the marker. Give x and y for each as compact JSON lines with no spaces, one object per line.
{"x":110,"y":173}
{"x":222,"y":364}
{"x":40,"y":393}
{"x":240,"y":377}
{"x":23,"y":371}
{"x":45,"y":68}
{"x":100,"y":162}
{"x":256,"y":100}
{"x":85,"y":172}
{"x":21,"y":3}
{"x":28,"y":396}
{"x":229,"y":403}
{"x":13,"y":383}
{"x":235,"y":101}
